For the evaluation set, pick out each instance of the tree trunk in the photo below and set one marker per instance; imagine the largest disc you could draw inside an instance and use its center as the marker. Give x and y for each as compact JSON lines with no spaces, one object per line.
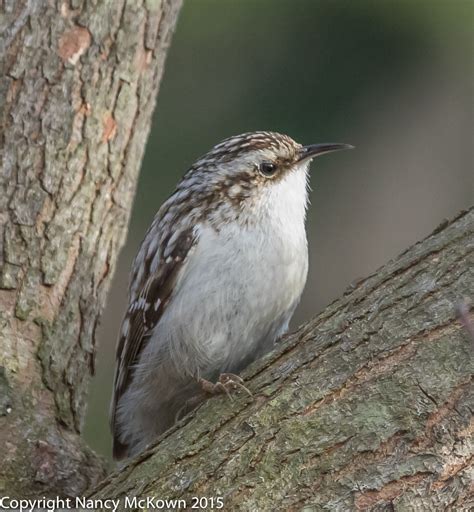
{"x":78,"y":86}
{"x":366,"y":407}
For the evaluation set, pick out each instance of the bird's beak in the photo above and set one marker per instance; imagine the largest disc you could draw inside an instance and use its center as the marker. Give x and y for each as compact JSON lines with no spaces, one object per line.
{"x":313,"y":150}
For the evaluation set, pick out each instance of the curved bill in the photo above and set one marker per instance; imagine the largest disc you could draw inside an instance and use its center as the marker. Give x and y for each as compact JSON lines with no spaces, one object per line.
{"x":314,"y":150}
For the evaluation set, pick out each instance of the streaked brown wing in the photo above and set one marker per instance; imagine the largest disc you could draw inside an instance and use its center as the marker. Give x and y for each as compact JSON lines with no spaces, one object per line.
{"x":143,"y":314}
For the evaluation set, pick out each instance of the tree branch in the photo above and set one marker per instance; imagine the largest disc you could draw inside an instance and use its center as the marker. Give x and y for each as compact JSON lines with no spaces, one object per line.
{"x":367,"y":406}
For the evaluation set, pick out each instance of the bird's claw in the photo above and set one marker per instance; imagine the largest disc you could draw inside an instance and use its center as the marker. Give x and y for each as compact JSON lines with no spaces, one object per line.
{"x":226,"y":383}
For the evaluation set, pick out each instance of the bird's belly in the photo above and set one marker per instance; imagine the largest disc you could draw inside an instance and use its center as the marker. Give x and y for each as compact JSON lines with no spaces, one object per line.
{"x":236,"y":297}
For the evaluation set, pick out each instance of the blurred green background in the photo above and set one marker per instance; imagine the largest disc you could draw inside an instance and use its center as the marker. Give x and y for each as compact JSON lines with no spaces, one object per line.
{"x":394,"y":78}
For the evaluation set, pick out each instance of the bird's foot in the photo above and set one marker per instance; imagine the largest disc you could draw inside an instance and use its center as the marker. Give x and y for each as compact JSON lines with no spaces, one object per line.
{"x":226,"y":383}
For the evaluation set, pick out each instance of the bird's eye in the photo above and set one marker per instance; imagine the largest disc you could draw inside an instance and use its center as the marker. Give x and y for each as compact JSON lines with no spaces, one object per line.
{"x":267,"y":168}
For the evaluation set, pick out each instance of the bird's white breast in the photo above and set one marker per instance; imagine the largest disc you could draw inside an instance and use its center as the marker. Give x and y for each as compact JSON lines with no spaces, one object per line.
{"x":242,"y":282}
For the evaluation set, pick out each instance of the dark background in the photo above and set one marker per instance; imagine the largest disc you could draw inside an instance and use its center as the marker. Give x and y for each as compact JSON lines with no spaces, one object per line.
{"x":394,"y":78}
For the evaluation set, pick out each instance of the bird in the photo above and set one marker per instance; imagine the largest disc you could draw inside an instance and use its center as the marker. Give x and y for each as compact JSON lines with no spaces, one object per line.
{"x":214,"y":284}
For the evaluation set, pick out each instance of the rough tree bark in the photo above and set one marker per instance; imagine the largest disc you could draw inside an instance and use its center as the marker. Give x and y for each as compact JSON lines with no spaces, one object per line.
{"x":78,"y":85}
{"x":366,"y":407}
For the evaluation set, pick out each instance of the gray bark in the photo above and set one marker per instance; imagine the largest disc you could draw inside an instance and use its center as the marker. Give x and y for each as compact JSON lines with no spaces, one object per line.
{"x":78,"y":86}
{"x":366,"y":407}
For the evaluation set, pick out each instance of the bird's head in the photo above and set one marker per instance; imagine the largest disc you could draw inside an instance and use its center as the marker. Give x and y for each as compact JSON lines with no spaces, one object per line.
{"x":241,"y":164}
{"x":249,"y":168}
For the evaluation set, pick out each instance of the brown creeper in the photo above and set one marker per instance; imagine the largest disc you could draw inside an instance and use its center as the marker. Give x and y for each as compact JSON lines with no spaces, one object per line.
{"x":215,"y":282}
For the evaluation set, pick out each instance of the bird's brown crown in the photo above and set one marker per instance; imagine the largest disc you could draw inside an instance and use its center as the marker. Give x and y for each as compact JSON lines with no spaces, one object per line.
{"x":233,"y":147}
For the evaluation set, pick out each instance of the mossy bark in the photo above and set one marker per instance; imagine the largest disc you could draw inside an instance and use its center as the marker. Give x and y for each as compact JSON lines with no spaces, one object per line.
{"x":366,"y":407}
{"x":78,"y":85}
